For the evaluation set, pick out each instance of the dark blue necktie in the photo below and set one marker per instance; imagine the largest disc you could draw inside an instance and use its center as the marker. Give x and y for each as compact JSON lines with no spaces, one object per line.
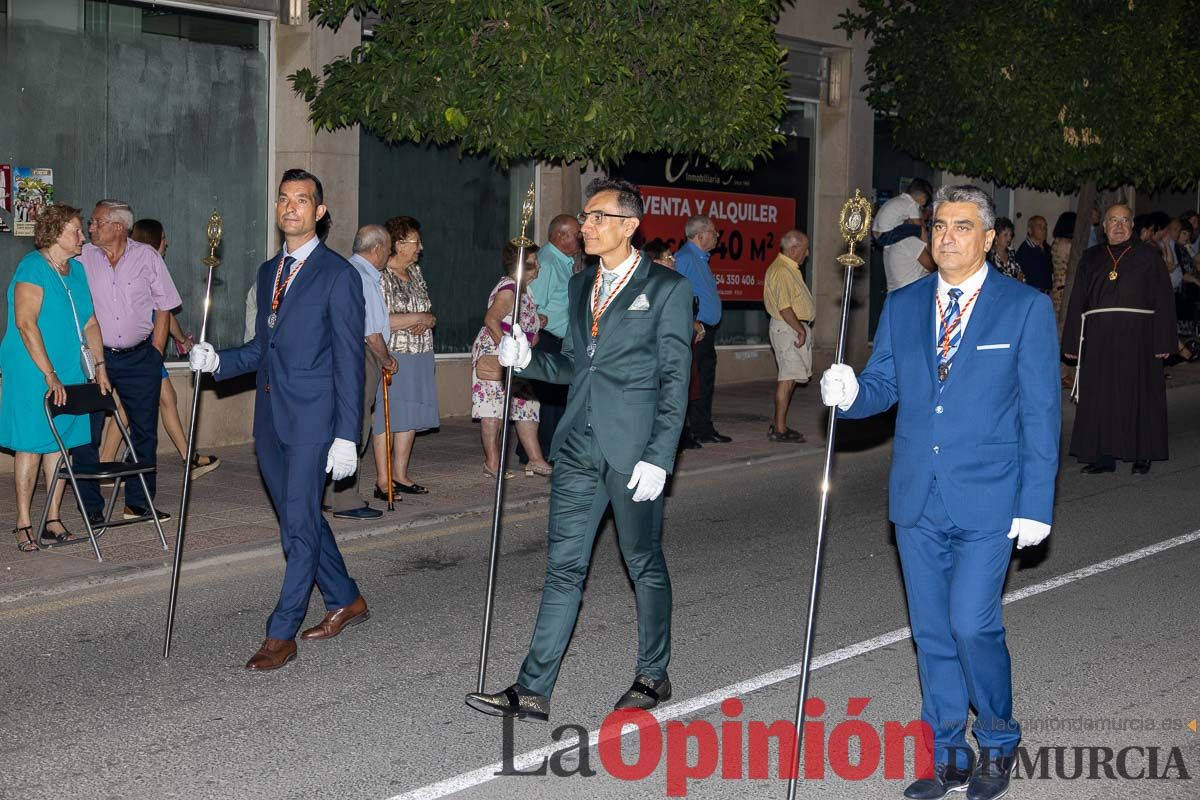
{"x":951,"y":327}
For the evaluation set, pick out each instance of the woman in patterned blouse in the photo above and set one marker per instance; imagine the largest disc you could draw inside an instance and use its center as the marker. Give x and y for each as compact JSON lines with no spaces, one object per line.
{"x":412,"y":396}
{"x":1003,"y":256}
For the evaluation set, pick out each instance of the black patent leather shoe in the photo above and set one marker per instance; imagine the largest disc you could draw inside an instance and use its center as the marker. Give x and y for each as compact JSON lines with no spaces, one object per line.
{"x":1141,"y":467}
{"x":990,"y":778}
{"x":715,"y":438}
{"x":515,"y":701}
{"x":946,"y":779}
{"x":364,"y":512}
{"x":646,"y":693}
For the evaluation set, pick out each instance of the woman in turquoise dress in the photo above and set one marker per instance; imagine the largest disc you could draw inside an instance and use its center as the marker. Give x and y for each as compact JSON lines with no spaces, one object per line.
{"x":39,"y":355}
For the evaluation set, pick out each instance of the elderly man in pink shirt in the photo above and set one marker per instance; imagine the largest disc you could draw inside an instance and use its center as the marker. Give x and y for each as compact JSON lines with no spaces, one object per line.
{"x":132,"y":292}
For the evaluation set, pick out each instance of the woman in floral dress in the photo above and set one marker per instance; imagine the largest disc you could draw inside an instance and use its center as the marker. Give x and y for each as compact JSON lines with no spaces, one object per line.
{"x":487,"y":396}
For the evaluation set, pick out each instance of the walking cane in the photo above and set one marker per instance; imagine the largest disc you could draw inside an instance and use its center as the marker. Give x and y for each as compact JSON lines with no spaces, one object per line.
{"x":213,"y":231}
{"x":854,"y":222}
{"x":387,"y":427}
{"x":521,"y":242}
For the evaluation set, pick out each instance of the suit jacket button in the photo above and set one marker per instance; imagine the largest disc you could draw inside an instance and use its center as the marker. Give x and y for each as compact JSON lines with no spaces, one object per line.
{"x":591,"y":369}
{"x":937,"y":410}
{"x":936,"y":449}
{"x":267,"y":388}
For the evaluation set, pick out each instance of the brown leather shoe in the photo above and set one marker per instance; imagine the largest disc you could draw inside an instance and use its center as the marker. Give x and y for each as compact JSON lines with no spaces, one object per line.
{"x":334,"y":621}
{"x":273,"y":654}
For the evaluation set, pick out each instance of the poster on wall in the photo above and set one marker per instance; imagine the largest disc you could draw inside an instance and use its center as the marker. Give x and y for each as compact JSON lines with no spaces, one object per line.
{"x":751,"y":209}
{"x":5,"y":195}
{"x":32,"y":190}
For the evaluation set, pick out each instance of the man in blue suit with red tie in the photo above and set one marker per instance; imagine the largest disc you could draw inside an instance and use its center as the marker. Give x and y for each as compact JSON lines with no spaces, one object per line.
{"x":970,"y":358}
{"x":307,"y":354}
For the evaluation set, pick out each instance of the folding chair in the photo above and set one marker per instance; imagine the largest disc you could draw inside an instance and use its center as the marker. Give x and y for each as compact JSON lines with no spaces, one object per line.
{"x":86,"y":398}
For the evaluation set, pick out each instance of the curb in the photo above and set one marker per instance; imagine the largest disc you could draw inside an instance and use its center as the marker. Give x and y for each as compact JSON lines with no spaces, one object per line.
{"x":127,"y":573}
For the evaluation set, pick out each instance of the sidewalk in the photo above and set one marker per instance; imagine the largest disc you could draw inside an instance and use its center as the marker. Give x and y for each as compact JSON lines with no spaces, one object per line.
{"x":229,"y":511}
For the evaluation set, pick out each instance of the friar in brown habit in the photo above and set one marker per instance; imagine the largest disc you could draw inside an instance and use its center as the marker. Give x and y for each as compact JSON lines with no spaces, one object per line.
{"x":1122,"y":410}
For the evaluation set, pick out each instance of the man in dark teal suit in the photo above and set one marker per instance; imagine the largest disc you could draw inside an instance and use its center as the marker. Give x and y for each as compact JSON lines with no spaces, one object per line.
{"x":627,"y":359}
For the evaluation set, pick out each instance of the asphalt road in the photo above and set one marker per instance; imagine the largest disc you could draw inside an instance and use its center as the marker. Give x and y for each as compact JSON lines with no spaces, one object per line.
{"x":88,"y":708}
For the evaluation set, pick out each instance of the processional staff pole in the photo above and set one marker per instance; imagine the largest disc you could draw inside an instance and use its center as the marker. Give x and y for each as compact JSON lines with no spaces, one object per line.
{"x":854,"y":223}
{"x":521,"y":242}
{"x":213,"y":231}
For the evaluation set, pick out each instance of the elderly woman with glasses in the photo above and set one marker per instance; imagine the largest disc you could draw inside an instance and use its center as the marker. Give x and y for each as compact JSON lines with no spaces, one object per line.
{"x":412,"y":396}
{"x":49,"y":317}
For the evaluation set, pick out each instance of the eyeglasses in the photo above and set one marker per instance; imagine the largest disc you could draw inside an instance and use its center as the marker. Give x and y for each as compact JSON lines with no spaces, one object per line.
{"x":95,"y":223}
{"x":408,"y":241}
{"x":597,"y":217}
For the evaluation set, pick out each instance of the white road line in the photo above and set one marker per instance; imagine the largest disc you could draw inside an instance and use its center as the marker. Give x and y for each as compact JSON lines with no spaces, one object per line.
{"x":534,"y":758}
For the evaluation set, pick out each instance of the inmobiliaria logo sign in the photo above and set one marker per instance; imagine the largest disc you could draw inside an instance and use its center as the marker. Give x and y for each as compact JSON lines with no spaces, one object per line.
{"x":853,"y":749}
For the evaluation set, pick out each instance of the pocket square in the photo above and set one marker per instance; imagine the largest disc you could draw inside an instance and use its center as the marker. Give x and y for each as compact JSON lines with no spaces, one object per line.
{"x":639,"y":304}
{"x":992,"y":346}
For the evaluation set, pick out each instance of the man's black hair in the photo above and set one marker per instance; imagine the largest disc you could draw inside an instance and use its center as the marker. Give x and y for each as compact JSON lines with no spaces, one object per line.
{"x":629,"y":196}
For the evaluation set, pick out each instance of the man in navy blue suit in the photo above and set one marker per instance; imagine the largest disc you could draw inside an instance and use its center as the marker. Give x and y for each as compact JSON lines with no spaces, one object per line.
{"x":970,"y":357}
{"x":307,"y":353}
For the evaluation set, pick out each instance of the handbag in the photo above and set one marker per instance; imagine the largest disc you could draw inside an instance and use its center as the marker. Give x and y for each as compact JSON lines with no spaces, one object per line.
{"x":487,"y":368}
{"x":86,"y":359}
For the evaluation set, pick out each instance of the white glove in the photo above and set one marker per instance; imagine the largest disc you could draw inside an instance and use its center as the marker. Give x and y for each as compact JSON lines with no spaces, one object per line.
{"x":343,"y":459}
{"x":649,"y":481}
{"x":204,"y":358}
{"x":1028,"y":532}
{"x":839,"y":387}
{"x":513,"y":350}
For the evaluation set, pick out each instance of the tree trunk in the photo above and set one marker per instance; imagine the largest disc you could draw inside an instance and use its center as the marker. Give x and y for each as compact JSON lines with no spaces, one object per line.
{"x":1083,"y":225}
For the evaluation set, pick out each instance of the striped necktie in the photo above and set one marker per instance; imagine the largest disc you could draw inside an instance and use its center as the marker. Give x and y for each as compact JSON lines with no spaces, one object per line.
{"x":949,"y":333}
{"x":606,"y":282}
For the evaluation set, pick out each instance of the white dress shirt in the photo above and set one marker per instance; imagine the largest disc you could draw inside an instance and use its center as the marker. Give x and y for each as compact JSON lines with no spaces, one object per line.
{"x":968,"y":286}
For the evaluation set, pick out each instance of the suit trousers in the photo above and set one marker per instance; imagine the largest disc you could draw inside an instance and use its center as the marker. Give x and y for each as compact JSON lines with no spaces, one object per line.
{"x":699,"y":411}
{"x":954,"y":579}
{"x":583,"y":487}
{"x":136,"y":376}
{"x":551,"y":396}
{"x":344,"y":495}
{"x":295,"y":475}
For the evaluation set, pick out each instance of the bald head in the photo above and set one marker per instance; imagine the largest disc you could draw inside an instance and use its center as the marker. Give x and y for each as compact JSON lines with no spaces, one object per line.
{"x":1118,"y":223}
{"x":794,"y":245}
{"x":564,"y":234}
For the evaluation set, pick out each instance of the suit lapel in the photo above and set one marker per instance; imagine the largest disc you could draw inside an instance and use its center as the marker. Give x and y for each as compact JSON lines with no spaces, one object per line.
{"x":928,"y":331}
{"x":620,"y":304}
{"x":583,"y":308}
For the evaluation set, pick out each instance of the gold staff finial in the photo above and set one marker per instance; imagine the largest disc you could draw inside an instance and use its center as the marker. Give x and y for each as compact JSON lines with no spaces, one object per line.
{"x":854,"y":223}
{"x":526,"y":215}
{"x":213,"y":231}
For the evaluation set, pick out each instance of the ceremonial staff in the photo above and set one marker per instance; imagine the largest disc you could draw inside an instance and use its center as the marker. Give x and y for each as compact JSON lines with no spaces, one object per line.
{"x":387,"y":426}
{"x":854,"y":222}
{"x":213,"y":232}
{"x":521,"y":242}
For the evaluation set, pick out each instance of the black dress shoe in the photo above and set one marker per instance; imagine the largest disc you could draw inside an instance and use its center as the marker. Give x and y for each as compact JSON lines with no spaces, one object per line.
{"x":515,"y":701}
{"x":1141,"y":467}
{"x":646,"y":693}
{"x":137,"y":512}
{"x":96,"y":518}
{"x":715,"y":438}
{"x":1098,"y":467}
{"x":380,"y":494}
{"x":408,"y":488}
{"x":366,"y":512}
{"x":689,"y":444}
{"x":989,"y":780}
{"x":946,"y":779}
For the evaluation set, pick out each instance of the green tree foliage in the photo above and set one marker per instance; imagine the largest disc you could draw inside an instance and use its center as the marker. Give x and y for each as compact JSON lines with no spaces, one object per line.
{"x":1042,"y":93}
{"x":559,"y":79}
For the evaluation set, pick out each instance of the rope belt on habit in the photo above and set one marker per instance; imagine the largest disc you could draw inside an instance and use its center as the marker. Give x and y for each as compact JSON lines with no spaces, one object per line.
{"x":1082,"y":325}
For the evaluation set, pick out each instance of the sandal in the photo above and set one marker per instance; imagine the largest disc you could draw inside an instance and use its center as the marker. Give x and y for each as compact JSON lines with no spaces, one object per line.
{"x":49,"y":539}
{"x":28,"y":545}
{"x":533,"y":469}
{"x":508,"y":474}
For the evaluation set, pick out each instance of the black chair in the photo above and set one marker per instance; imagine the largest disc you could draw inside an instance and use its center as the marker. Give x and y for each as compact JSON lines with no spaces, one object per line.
{"x":86,"y":399}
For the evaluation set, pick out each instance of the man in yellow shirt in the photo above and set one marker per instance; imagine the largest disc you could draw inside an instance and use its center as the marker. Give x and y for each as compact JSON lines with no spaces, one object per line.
{"x":790,"y":304}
